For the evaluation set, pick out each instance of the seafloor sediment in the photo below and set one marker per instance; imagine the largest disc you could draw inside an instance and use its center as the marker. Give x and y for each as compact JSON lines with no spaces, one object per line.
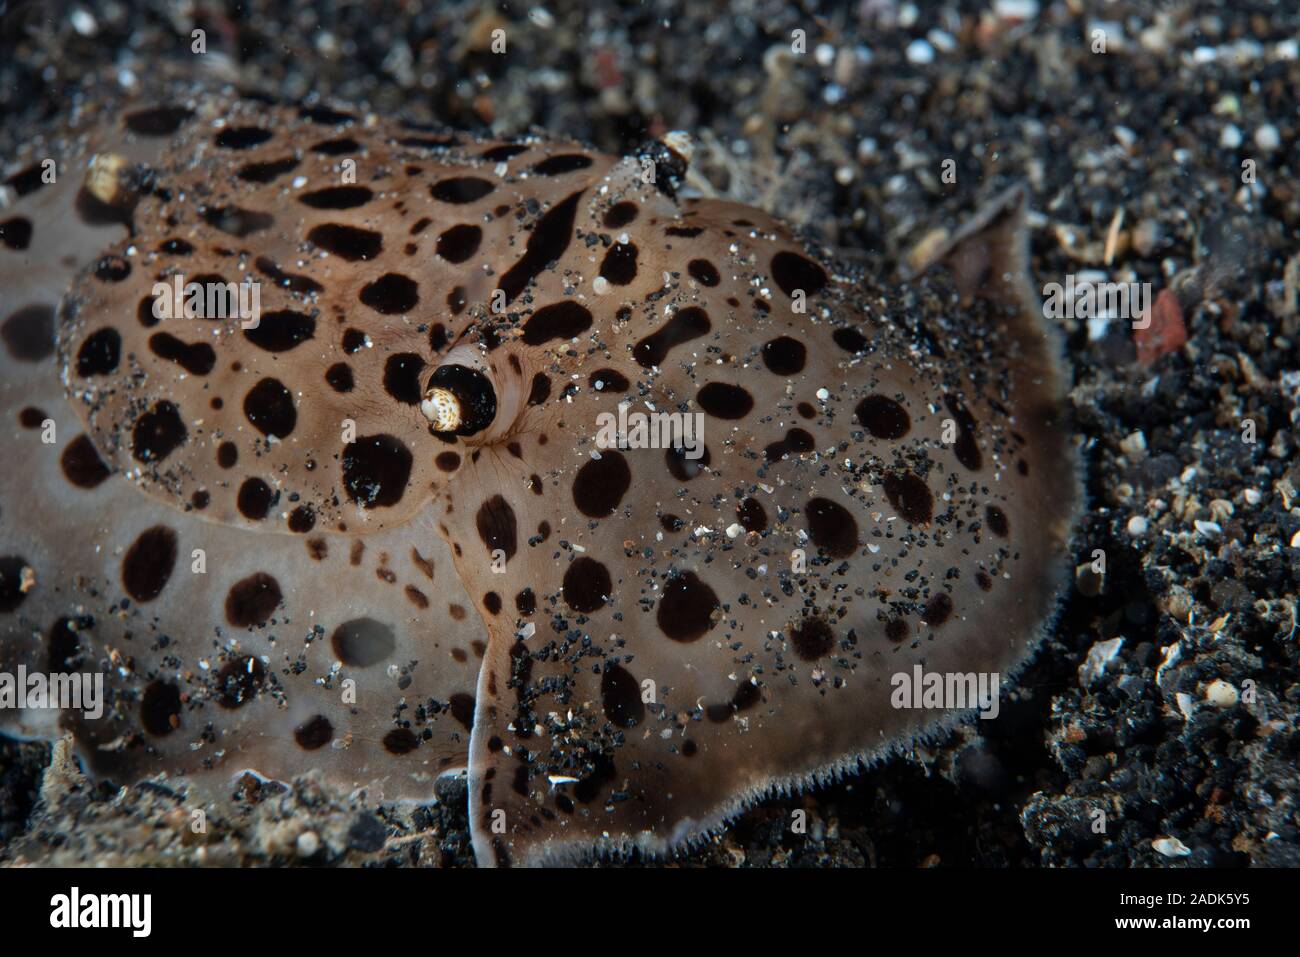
{"x":1169,"y":159}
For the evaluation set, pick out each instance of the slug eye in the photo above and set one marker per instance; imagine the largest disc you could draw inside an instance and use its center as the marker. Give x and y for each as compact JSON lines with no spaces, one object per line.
{"x":459,"y":400}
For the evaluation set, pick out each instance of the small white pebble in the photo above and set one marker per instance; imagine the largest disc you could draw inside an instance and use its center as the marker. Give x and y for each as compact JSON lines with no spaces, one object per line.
{"x":1230,"y":138}
{"x":1016,"y":9}
{"x":1170,"y":847}
{"x":920,"y":52}
{"x":942,"y":40}
{"x":600,"y":285}
{"x":1221,"y":694}
{"x":1137,"y":526}
{"x":1208,"y":529}
{"x":84,"y":23}
{"x":735,"y":530}
{"x":1135,"y":443}
{"x":1252,"y":496}
{"x":1295,"y":540}
{"x":308,"y":843}
{"x":1267,"y":138}
{"x":1099,"y":656}
{"x":823,"y":394}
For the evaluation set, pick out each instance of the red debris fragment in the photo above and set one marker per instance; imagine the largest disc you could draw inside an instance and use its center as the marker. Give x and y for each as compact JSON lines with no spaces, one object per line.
{"x":1166,"y":331}
{"x":608,"y":73}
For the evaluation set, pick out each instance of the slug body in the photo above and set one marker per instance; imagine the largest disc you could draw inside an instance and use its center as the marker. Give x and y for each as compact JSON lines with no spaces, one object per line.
{"x":373,"y":530}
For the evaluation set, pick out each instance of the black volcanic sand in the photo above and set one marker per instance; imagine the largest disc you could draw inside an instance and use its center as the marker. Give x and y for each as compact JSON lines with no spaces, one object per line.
{"x":848,"y":142}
